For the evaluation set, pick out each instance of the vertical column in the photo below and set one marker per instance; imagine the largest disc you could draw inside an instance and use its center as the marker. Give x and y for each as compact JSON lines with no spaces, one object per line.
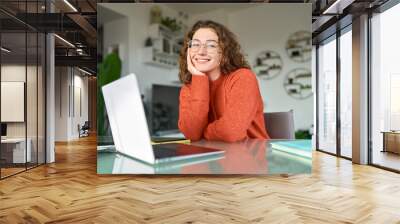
{"x":50,"y":93}
{"x":338,"y":91}
{"x":360,"y":90}
{"x":314,"y":90}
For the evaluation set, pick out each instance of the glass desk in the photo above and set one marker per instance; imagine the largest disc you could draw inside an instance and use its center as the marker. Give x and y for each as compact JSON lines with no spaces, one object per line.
{"x":248,"y":157}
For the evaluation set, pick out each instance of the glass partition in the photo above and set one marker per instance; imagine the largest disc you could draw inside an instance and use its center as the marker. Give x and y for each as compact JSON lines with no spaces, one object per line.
{"x":327,"y":96}
{"x":385,"y":89}
{"x":13,"y":109}
{"x":346,"y":93}
{"x":22,"y":77}
{"x":31,"y":99}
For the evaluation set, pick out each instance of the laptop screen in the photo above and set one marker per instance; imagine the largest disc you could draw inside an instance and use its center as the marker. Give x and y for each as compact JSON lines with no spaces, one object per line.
{"x":127,"y":118}
{"x":165,"y":108}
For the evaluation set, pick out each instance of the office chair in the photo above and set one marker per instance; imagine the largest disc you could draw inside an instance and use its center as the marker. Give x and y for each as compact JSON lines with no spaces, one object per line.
{"x":280,"y":125}
{"x":84,"y":130}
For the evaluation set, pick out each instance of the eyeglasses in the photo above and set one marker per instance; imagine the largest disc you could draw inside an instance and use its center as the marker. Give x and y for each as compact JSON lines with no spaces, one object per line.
{"x":210,"y":45}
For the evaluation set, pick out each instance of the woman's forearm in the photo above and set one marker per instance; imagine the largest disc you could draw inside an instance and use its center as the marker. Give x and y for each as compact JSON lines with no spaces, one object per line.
{"x":193,"y":108}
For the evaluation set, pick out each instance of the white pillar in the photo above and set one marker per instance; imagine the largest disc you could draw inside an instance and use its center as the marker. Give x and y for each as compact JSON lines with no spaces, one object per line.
{"x":360,"y":90}
{"x":50,"y":100}
{"x":50,"y":93}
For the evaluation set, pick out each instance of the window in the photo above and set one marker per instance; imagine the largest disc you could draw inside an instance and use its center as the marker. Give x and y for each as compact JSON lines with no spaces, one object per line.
{"x":327,"y":96}
{"x":346,"y":93}
{"x":385,"y":87}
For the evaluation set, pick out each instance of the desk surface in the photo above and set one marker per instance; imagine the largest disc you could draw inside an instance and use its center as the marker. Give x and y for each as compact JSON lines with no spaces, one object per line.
{"x":13,"y":140}
{"x":248,"y":157}
{"x":391,"y":132}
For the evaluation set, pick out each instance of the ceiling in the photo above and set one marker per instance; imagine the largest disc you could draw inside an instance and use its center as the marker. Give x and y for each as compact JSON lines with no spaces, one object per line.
{"x":195,"y":8}
{"x":79,"y":27}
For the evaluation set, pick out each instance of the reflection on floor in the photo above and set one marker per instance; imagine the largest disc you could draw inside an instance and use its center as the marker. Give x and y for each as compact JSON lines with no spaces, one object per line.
{"x":387,"y":159}
{"x":9,"y":171}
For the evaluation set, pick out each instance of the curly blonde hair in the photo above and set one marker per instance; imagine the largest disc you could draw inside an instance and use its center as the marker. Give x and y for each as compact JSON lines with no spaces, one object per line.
{"x":232,"y":57}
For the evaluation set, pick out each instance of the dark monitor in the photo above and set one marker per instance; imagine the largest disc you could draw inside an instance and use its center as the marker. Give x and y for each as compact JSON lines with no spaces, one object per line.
{"x":3,"y":129}
{"x":165,"y":108}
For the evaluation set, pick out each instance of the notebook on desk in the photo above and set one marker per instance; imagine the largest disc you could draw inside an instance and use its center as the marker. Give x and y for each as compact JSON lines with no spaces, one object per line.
{"x":129,"y":127}
{"x":295,"y":147}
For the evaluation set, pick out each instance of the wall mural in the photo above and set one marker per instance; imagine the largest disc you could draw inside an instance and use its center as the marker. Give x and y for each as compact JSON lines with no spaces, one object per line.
{"x":298,"y":83}
{"x":298,"y":46}
{"x":268,"y":64}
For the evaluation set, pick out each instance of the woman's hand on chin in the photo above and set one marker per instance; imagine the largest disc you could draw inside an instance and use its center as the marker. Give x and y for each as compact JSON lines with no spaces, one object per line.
{"x":193,"y":70}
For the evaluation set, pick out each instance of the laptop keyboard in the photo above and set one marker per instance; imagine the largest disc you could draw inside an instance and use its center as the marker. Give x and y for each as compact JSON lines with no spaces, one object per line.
{"x":161,"y":152}
{"x":176,"y":151}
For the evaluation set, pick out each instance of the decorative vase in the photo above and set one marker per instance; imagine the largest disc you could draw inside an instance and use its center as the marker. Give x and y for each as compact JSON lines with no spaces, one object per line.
{"x":155,"y":14}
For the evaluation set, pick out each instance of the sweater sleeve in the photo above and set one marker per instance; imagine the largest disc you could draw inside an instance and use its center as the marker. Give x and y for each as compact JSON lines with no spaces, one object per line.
{"x":193,"y":107}
{"x":241,"y":107}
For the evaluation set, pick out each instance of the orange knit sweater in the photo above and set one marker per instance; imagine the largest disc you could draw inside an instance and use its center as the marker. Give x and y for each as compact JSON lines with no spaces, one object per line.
{"x":228,"y":109}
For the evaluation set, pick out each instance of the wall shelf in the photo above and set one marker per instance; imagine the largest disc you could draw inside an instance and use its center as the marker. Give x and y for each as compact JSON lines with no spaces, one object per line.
{"x":164,"y":49}
{"x":151,"y":56}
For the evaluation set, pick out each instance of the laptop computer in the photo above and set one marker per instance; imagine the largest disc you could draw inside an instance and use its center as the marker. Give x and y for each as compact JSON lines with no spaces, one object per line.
{"x":129,"y":126}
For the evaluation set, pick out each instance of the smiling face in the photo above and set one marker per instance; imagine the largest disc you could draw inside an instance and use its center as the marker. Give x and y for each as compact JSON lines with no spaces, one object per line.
{"x":213,"y":49}
{"x":204,"y":52}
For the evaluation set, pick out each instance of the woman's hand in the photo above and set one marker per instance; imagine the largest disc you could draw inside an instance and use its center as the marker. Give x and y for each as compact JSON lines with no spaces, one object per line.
{"x":193,"y":70}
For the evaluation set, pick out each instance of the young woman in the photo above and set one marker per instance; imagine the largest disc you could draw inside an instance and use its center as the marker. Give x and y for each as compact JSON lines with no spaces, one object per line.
{"x":220,"y":99}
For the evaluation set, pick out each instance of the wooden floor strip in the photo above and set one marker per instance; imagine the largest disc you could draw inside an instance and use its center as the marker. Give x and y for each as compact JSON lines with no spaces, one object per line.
{"x":70,"y":191}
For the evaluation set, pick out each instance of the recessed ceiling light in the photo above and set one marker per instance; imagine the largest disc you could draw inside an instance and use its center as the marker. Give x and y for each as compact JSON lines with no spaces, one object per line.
{"x":337,"y":6}
{"x":5,"y":50}
{"x":70,"y":5}
{"x":64,"y":40}
{"x":84,"y":71}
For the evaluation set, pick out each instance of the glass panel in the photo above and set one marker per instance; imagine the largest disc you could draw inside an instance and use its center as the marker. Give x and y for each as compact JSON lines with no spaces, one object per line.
{"x":13,"y":86}
{"x":32,"y":7}
{"x":386,"y":89}
{"x":41,"y":98}
{"x":31,"y":97}
{"x":346,"y":94}
{"x":31,"y":84}
{"x":23,"y":89}
{"x":327,"y":96}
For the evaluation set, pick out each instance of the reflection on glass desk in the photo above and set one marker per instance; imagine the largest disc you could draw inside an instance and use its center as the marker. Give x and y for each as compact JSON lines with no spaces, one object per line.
{"x":248,"y":157}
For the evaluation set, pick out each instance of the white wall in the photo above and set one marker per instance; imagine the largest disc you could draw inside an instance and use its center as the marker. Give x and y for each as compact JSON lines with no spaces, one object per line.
{"x":15,"y":72}
{"x":138,"y":20}
{"x":61,"y":103}
{"x":260,"y":27}
{"x":267,"y":27}
{"x":118,"y":27}
{"x":218,"y":15}
{"x":33,"y":126}
{"x":80,"y":82}
{"x":68,"y":80}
